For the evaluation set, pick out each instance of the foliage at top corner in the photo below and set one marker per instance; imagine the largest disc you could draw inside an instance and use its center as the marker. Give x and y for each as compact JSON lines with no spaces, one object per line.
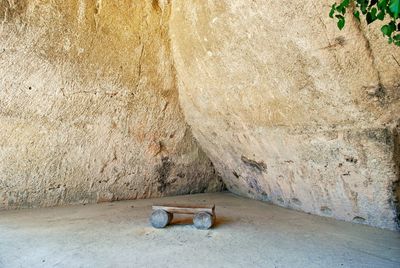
{"x":372,"y":10}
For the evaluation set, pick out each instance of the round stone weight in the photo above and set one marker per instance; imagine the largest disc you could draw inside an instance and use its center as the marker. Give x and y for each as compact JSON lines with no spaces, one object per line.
{"x":203,"y":220}
{"x":160,"y":218}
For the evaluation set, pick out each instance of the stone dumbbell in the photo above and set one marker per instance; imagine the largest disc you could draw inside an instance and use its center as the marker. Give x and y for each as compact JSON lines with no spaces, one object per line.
{"x":203,"y":220}
{"x":160,"y":218}
{"x":204,"y":216}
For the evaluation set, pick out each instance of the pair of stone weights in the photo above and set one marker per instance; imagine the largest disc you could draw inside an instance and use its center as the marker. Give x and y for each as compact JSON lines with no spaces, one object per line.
{"x":204,"y":217}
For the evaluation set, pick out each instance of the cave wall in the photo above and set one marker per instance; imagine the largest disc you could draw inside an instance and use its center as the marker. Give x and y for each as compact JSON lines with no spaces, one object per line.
{"x":89,"y":106}
{"x":290,"y":109}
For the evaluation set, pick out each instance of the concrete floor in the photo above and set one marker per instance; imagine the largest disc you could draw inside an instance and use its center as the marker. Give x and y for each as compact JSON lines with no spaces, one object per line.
{"x":248,"y":234}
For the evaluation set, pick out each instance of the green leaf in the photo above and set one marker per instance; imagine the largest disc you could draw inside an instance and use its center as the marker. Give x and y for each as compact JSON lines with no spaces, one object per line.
{"x":388,"y":29}
{"x":341,"y":9}
{"x":384,"y":10}
{"x":332,"y":10}
{"x":356,"y":14}
{"x":345,"y":3}
{"x":392,"y":25}
{"x":382,"y":4}
{"x":341,"y":23}
{"x":374,"y":11}
{"x":363,"y":7}
{"x":395,"y":8}
{"x":371,"y":16}
{"x":381,"y":15}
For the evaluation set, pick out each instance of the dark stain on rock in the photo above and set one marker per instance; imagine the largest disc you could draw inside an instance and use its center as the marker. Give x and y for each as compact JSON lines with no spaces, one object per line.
{"x":257,"y":166}
{"x":164,"y":171}
{"x":326,"y":210}
{"x":340,"y":40}
{"x":253,"y":184}
{"x":280,"y":200}
{"x":235,"y":174}
{"x":395,"y":196}
{"x":380,"y":135}
{"x":378,"y":92}
{"x":156,"y":6}
{"x":264,"y":196}
{"x":296,"y":201}
{"x":351,"y":159}
{"x":358,"y":219}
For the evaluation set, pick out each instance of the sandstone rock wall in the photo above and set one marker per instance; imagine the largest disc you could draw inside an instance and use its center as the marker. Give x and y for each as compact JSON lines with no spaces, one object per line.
{"x":290,"y":109}
{"x":89,"y":105}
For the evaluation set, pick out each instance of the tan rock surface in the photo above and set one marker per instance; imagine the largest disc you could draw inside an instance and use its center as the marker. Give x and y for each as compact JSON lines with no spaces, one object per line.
{"x":290,"y":109}
{"x":89,"y":105}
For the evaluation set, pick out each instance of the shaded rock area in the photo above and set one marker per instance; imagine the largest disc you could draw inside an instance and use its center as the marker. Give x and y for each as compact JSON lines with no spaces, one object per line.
{"x":290,"y":109}
{"x":89,"y":106}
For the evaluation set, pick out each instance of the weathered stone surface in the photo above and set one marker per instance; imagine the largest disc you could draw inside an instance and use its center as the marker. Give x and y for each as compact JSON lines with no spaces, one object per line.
{"x":160,"y":218}
{"x":203,"y":220}
{"x":290,"y":109}
{"x":89,"y":106}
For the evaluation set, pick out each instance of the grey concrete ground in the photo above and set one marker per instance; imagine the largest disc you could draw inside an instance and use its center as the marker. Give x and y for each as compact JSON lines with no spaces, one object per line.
{"x":248,"y":234}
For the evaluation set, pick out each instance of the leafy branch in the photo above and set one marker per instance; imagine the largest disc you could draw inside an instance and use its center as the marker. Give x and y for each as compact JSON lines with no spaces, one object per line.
{"x":373,"y":10}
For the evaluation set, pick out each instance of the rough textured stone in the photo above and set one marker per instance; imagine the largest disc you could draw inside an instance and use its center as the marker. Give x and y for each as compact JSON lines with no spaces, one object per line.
{"x":203,"y":220}
{"x":160,"y":218}
{"x":89,"y":106}
{"x":290,"y":109}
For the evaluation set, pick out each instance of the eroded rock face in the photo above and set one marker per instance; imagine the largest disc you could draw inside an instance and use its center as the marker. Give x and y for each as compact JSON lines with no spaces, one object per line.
{"x":89,"y":105}
{"x":290,"y":109}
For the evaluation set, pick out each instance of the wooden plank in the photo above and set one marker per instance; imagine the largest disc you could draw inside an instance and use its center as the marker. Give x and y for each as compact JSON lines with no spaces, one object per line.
{"x":180,"y":209}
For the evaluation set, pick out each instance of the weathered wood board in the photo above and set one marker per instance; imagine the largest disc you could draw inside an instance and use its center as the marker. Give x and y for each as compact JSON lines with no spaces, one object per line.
{"x":181,"y":209}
